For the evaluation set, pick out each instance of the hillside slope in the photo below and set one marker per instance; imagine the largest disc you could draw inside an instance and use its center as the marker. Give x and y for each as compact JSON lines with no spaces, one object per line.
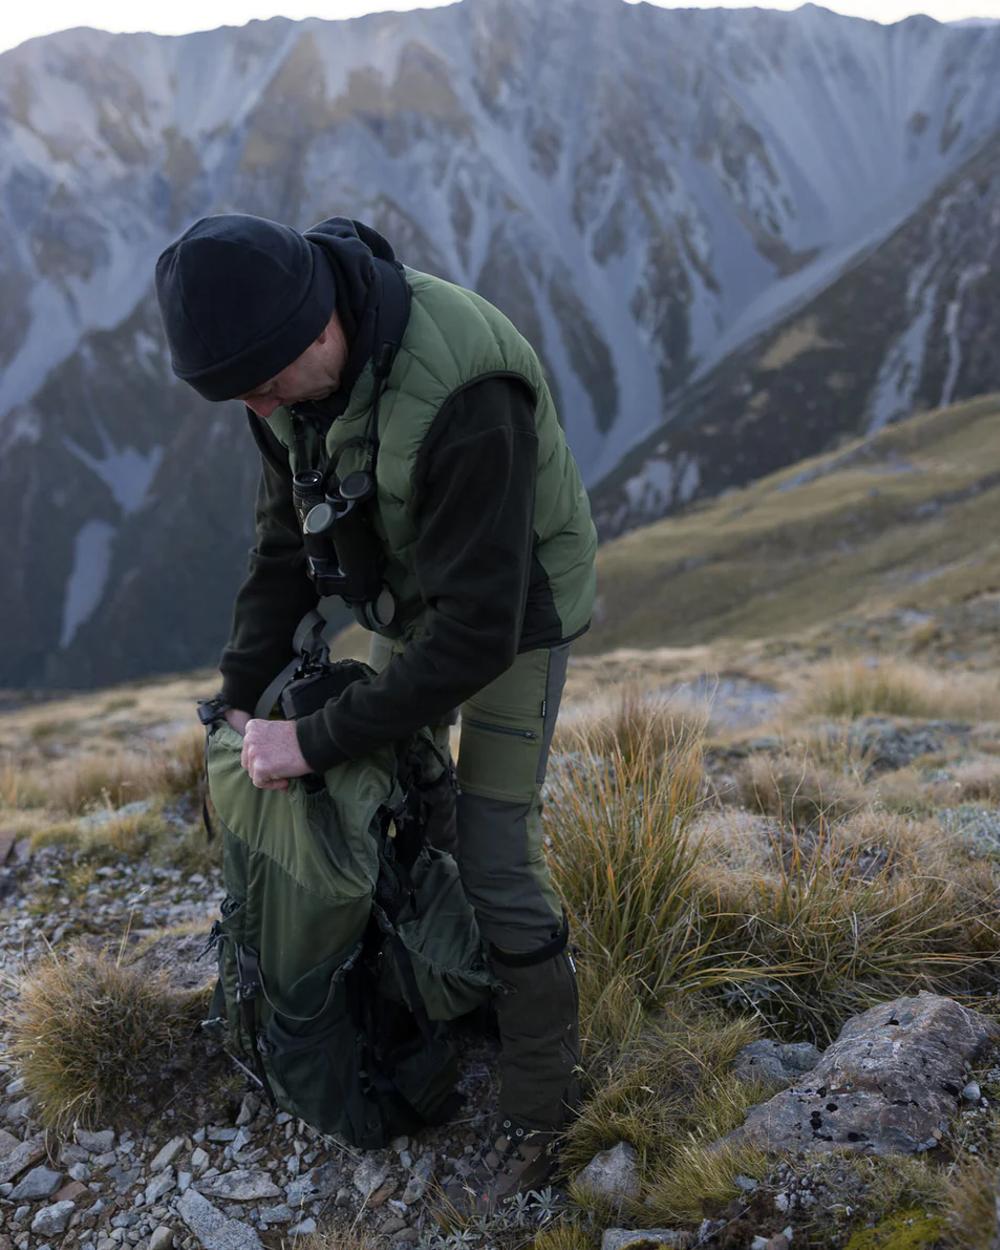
{"x":893,"y":539}
{"x":909,"y":327}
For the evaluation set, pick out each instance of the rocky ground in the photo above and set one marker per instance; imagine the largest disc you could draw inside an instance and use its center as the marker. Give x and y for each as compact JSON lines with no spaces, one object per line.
{"x":876,"y":1121}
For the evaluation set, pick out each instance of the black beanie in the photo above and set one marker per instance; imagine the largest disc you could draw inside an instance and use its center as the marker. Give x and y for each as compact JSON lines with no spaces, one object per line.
{"x":241,"y":297}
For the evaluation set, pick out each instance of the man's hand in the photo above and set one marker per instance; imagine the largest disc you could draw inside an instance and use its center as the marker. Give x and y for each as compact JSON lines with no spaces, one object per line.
{"x":237,"y":719}
{"x":271,"y":753}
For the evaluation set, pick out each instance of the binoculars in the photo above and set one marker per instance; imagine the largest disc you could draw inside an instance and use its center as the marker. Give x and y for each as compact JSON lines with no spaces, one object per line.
{"x":343,"y":552}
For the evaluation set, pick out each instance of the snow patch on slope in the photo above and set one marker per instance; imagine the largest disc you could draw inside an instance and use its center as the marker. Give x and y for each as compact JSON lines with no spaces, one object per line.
{"x":899,"y":376}
{"x":88,"y":577}
{"x":126,"y":472}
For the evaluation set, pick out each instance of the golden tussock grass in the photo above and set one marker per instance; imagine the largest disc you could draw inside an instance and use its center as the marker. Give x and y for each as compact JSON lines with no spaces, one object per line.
{"x":633,"y":723}
{"x":668,"y":1088}
{"x":89,"y":1036}
{"x":565,"y":1237}
{"x":698,"y":1174}
{"x":20,"y":787}
{"x":971,"y":1207}
{"x":797,"y":790}
{"x":833,"y":928}
{"x":618,"y":827}
{"x":857,"y":687}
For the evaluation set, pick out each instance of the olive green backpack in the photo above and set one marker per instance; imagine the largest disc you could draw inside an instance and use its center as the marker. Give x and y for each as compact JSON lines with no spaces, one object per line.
{"x":345,"y":943}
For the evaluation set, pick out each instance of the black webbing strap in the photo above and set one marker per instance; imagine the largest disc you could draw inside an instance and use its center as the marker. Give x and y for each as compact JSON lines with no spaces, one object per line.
{"x":404,"y":963}
{"x":308,"y":641}
{"x":247,"y":985}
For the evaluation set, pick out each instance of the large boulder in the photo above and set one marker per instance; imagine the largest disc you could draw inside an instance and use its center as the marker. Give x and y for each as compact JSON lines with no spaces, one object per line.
{"x":890,"y":1083}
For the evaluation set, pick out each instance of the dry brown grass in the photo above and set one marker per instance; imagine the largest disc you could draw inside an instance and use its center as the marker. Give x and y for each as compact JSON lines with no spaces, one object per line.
{"x":699,"y":1174}
{"x":797,"y":790}
{"x":858,"y":687}
{"x":89,"y":1035}
{"x":971,"y":1208}
{"x":620,"y":849}
{"x":633,"y":723}
{"x":20,"y":787}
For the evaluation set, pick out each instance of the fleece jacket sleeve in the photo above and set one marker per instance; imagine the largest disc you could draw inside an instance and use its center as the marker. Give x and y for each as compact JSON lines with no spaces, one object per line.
{"x":474,"y":503}
{"x":277,"y":591}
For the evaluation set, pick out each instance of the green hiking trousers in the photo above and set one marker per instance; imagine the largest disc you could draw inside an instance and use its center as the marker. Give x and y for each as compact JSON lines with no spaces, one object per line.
{"x":506,"y":734}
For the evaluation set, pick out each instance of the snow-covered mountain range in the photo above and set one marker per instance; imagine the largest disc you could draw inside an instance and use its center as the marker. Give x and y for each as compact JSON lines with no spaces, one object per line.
{"x":665,"y":201}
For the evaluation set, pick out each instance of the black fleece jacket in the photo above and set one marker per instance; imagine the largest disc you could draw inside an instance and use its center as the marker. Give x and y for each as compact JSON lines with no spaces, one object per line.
{"x":486,"y":595}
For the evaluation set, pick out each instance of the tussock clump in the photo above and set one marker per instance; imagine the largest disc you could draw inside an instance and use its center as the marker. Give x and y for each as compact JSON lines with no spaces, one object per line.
{"x":636,"y":725}
{"x":565,"y":1237}
{"x":90,"y":1035}
{"x":618,"y":827}
{"x":124,"y":775}
{"x":854,"y":688}
{"x":836,"y":927}
{"x":182,"y":765}
{"x":796,"y":791}
{"x":109,"y":780}
{"x":20,"y":787}
{"x":699,"y":1174}
{"x":971,"y":1209}
{"x":670,"y":1086}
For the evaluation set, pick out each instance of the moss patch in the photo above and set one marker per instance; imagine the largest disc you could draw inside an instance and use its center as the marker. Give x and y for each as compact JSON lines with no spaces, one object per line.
{"x":907,"y":1230}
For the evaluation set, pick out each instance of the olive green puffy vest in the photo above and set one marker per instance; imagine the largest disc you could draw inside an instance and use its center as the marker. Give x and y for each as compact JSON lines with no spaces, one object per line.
{"x":454,"y":337}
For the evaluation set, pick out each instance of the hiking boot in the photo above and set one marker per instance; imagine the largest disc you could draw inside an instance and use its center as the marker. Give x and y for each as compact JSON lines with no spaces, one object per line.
{"x":520,"y":1159}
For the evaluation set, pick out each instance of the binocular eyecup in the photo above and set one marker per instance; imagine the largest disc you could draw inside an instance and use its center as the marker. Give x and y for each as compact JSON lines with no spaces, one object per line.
{"x":343,"y":553}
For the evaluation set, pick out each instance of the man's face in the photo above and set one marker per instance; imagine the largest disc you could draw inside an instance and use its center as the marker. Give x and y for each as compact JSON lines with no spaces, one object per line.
{"x":313,"y":375}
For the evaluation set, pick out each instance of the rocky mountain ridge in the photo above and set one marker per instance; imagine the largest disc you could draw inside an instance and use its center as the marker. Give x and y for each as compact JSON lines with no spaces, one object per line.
{"x":643,"y":191}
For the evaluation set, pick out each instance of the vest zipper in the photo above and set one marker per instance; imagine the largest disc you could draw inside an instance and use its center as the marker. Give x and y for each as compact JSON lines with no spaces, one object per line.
{"x":501,"y":729}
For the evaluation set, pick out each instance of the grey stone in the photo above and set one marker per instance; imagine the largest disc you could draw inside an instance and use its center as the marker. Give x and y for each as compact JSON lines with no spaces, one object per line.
{"x":80,"y":1172}
{"x":888,"y":1084}
{"x":40,"y":1182}
{"x":199,"y":1160}
{"x":162,"y":1238}
{"x":746,"y":1183}
{"x":280,"y":1214}
{"x":248,"y":1109}
{"x":369,"y":1175}
{"x":70,"y":1152}
{"x":19,"y":1110}
{"x":158,"y":1186}
{"x":972,"y":1092}
{"x":642,"y":1238}
{"x":96,"y":1143}
{"x":240,"y":1185}
{"x":758,"y":1243}
{"x":16,"y":1087}
{"x":167,"y":1154}
{"x":123,"y":1178}
{"x":16,"y":1155}
{"x":303,"y":1228}
{"x":781,"y":1062}
{"x":613,"y":1173}
{"x":184,"y":1179}
{"x":53,"y":1219}
{"x":214,"y":1230}
{"x":420,"y":1178}
{"x":317,"y":1183}
{"x":217,"y":1133}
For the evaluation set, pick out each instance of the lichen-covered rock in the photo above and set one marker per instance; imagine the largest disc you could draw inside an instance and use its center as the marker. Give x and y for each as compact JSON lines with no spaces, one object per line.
{"x":780,"y":1062}
{"x":890,"y":1083}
